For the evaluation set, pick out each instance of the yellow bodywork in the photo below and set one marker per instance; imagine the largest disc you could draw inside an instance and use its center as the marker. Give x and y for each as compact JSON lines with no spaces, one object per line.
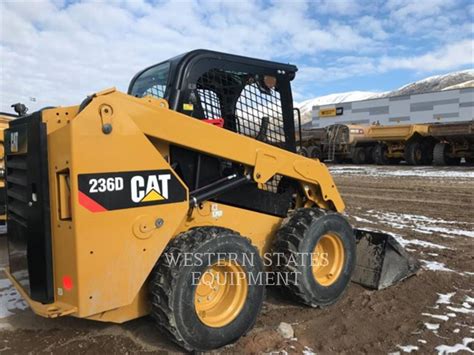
{"x":108,"y":256}
{"x":397,"y":132}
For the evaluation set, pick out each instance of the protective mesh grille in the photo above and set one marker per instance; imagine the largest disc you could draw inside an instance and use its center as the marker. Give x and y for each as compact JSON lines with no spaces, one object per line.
{"x":259,"y":114}
{"x":157,"y":91}
{"x":272,"y":185}
{"x":210,"y":104}
{"x":256,"y":113}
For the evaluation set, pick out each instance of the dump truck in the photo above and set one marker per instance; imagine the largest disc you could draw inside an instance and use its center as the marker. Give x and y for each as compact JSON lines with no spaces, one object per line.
{"x":454,"y":142}
{"x":365,"y":144}
{"x":182,"y":199}
{"x":411,"y":143}
{"x":338,"y":143}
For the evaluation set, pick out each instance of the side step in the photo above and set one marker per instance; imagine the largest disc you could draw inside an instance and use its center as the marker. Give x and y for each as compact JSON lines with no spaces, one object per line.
{"x":381,"y":260}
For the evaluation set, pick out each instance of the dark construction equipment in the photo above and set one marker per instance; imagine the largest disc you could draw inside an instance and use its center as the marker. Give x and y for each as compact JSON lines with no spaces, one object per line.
{"x":381,"y":260}
{"x":107,"y":199}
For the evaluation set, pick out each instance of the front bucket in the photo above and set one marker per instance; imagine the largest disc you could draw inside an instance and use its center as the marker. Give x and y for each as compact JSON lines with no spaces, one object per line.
{"x":381,"y":260}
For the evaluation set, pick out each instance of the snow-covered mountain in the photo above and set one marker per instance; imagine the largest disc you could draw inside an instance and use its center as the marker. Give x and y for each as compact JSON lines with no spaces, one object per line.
{"x":454,"y":80}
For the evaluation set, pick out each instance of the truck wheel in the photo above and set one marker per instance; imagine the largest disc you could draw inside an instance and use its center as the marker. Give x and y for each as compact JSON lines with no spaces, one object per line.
{"x":359,"y":155}
{"x":369,"y":153}
{"x":302,"y":151}
{"x":314,"y":152}
{"x":440,"y":156}
{"x":323,"y":246}
{"x":200,"y":290}
{"x":415,"y":153}
{"x":380,"y":154}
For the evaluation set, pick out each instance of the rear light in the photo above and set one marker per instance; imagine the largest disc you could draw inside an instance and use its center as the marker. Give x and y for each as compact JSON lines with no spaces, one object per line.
{"x":67,"y":283}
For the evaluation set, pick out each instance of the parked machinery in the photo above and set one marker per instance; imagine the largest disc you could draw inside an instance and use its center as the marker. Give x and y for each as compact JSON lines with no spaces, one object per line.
{"x":454,"y":142}
{"x":165,"y":200}
{"x":418,"y":144}
{"x":393,"y":144}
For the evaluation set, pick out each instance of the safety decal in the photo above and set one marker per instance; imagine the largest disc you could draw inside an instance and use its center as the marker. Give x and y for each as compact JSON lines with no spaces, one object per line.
{"x":114,"y":191}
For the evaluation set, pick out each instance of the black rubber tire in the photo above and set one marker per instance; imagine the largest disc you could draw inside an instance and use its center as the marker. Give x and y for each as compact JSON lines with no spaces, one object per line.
{"x":302,"y":151}
{"x":298,"y":236}
{"x":416,"y":153}
{"x":440,"y":157}
{"x":338,"y":159}
{"x":359,"y":155}
{"x":428,"y":145}
{"x":172,"y":289}
{"x":380,"y":154}
{"x":369,"y":153}
{"x":314,"y":152}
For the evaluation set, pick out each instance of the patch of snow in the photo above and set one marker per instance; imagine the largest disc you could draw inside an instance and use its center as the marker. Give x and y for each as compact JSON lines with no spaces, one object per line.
{"x":466,"y":84}
{"x":308,"y":351}
{"x":422,"y":341}
{"x":408,"y":348}
{"x":445,"y":298}
{"x":460,"y":310}
{"x":458,"y":232}
{"x":446,"y":349}
{"x":435,"y":266}
{"x":469,"y":299}
{"x":426,"y":244}
{"x":436,"y":316}
{"x":286,"y":330}
{"x":432,"y":326}
{"x":380,"y":171}
{"x":360,"y":219}
{"x":10,"y":299}
{"x":457,"y":330}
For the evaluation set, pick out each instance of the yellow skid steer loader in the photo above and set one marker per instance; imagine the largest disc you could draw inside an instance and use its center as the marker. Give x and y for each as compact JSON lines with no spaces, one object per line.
{"x":182,"y":199}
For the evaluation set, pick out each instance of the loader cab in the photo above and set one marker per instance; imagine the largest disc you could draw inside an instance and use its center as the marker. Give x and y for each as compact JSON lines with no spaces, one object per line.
{"x":248,"y":96}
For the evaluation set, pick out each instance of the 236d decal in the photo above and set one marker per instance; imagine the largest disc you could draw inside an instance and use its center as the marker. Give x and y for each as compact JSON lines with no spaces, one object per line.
{"x":113,"y":191}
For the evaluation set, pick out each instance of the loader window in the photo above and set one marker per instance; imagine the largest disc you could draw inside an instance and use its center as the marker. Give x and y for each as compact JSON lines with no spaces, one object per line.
{"x":210,"y":104}
{"x":259,"y":114}
{"x":249,"y":103}
{"x":152,"y":82}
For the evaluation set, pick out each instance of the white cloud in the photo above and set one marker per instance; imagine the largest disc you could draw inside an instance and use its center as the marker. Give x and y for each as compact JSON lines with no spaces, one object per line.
{"x":59,"y":52}
{"x":372,"y":25}
{"x":449,"y":57}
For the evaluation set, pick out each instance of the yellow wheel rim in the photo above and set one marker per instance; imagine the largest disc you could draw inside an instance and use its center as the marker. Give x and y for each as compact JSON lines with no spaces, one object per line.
{"x":220,"y":294}
{"x":328,"y":259}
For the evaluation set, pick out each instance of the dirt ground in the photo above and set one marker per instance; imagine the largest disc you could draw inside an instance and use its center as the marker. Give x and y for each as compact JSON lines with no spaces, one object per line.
{"x":430,"y":210}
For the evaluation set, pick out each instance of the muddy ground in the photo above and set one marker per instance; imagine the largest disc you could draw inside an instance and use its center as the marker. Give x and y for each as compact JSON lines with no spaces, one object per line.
{"x":430,"y":210}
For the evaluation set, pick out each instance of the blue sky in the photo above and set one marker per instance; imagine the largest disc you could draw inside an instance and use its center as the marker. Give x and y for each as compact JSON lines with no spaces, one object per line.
{"x":56,"y":52}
